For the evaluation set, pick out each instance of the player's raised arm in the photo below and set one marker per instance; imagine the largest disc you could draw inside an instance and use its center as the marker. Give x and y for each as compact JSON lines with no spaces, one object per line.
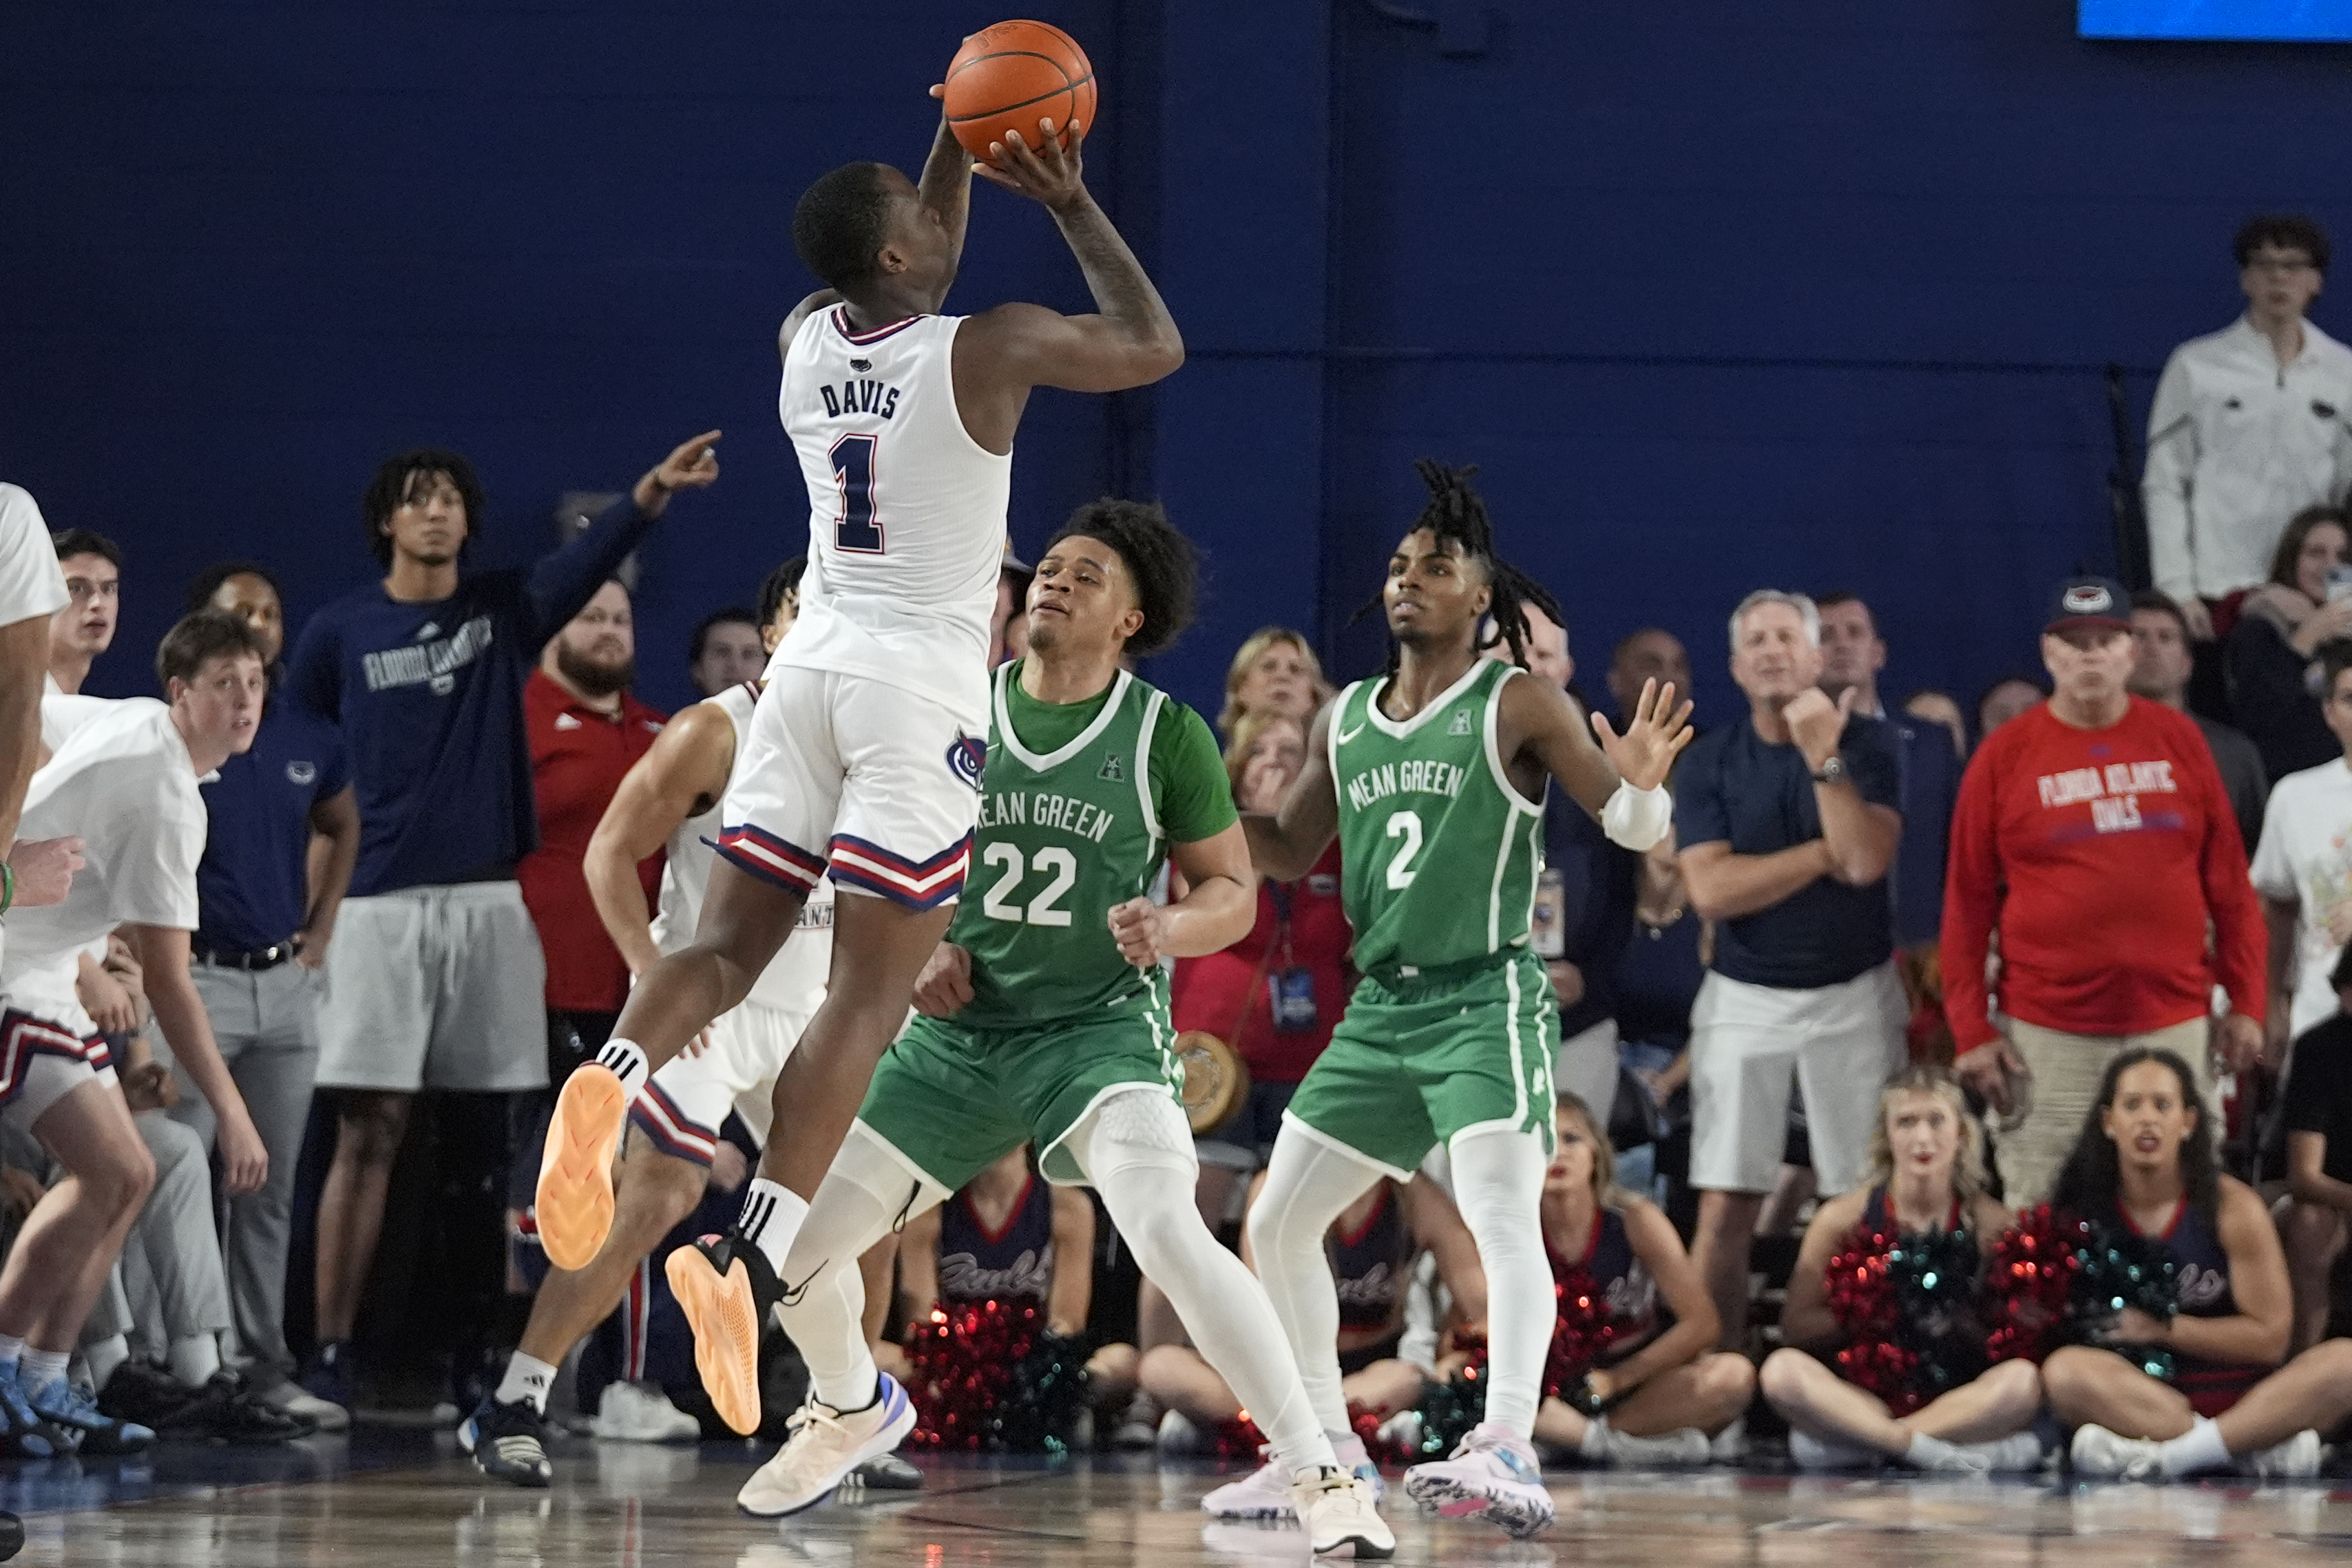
{"x":1132,"y":342}
{"x":945,"y":186}
{"x":1286,"y":844}
{"x":1621,"y":780}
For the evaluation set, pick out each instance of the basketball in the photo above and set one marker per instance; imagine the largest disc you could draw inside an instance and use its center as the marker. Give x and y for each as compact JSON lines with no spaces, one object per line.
{"x":1013,"y":75}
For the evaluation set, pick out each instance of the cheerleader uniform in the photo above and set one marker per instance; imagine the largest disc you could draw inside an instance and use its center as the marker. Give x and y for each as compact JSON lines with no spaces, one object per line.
{"x":1622,"y":1291}
{"x":2203,"y":1282}
{"x":1014,"y":1264}
{"x":1372,"y":1268}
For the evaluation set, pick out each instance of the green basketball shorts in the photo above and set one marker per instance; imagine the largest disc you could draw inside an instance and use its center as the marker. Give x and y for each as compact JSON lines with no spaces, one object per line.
{"x":1417,"y":1062}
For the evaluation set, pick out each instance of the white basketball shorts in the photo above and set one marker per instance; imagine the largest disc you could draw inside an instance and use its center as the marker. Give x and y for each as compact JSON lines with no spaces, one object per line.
{"x":682,"y":1106}
{"x":872,"y":782}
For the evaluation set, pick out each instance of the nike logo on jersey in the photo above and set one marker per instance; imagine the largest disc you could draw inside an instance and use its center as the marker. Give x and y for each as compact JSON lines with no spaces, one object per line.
{"x":567,"y":721}
{"x":1348,"y":735}
{"x":860,"y":397}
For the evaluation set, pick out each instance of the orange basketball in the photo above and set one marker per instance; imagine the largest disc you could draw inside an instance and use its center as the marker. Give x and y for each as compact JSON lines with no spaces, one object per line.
{"x":1013,"y":75}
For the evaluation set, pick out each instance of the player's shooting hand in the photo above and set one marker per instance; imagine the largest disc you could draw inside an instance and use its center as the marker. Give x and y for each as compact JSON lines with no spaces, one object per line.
{"x":44,"y":869}
{"x":1045,"y":172}
{"x":1653,"y":737}
{"x":1140,"y":928}
{"x":945,"y":985}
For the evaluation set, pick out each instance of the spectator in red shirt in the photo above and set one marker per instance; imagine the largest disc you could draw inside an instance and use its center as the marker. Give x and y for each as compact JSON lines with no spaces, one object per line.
{"x":2094,"y":835}
{"x":585,"y":731}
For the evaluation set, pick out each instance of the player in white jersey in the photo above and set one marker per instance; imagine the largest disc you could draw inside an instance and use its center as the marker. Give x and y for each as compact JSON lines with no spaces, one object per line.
{"x":671,"y":801}
{"x":865,"y":753}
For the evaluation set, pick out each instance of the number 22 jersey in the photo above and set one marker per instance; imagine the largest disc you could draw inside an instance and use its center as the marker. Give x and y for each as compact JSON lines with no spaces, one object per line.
{"x":907,"y":511}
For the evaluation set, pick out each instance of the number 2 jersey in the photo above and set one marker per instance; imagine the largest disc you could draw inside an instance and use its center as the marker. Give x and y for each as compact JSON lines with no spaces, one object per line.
{"x":1439,"y":851}
{"x":1078,"y":803}
{"x":907,"y":511}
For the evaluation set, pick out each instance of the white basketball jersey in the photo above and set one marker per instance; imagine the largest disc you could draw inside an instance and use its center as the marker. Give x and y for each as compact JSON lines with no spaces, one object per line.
{"x":906,"y":511}
{"x":796,"y":978}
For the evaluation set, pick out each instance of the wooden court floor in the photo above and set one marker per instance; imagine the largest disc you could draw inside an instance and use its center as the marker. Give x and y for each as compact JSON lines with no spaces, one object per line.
{"x":390,"y":1499}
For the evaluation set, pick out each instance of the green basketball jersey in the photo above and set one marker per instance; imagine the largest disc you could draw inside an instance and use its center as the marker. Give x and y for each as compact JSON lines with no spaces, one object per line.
{"x":1063,"y":837}
{"x":1439,"y":852}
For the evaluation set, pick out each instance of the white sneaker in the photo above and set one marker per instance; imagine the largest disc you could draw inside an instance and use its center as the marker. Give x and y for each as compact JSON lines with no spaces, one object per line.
{"x":641,"y":1413}
{"x":2296,"y":1457}
{"x":1808,"y":1452}
{"x":1492,"y":1474}
{"x":1729,"y":1447}
{"x":1265,"y":1492}
{"x":2018,"y":1452}
{"x":296,"y":1400}
{"x":2096,"y":1451}
{"x":1340,"y":1519}
{"x":1177,"y":1434}
{"x":825,"y":1446}
{"x":1685,"y":1447}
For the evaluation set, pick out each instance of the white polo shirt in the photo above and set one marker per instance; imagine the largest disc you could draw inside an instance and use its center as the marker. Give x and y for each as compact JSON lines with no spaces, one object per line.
{"x":125,"y":783}
{"x":2306,"y":859}
{"x":2237,"y":445}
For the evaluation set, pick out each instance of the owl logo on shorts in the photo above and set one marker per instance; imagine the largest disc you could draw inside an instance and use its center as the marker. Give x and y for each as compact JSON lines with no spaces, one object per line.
{"x":966,"y":758}
{"x":301,"y":774}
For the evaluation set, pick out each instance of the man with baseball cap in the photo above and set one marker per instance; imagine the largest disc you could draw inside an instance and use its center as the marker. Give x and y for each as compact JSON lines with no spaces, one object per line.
{"x":2094,"y":835}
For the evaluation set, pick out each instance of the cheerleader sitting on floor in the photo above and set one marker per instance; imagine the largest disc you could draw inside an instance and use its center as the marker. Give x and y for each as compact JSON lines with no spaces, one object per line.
{"x":2167,"y":1393}
{"x":1618,"y":1390}
{"x":1903,"y":1322}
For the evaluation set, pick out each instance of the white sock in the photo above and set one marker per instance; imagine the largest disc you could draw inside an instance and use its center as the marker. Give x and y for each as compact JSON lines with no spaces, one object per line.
{"x":1928,"y":1453}
{"x":195,"y":1359}
{"x":105,"y":1357}
{"x":2198,"y":1448}
{"x":12,"y":1350}
{"x":36,"y":1369}
{"x":527,"y":1377}
{"x":1594,"y":1444}
{"x":772,"y":1218}
{"x":627,"y":1063}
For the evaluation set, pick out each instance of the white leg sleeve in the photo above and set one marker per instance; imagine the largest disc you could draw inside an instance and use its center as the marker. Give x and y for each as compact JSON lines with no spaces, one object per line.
{"x":1499,"y":1185}
{"x":1137,"y":1150}
{"x":1308,"y":1183}
{"x":866,"y":1193}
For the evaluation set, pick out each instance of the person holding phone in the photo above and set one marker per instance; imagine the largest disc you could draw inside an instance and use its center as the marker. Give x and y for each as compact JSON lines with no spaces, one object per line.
{"x":2282,"y":629}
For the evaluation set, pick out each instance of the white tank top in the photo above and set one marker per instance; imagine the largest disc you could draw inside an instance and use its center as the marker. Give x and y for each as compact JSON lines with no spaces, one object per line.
{"x":795,"y":981}
{"x":906,"y":511}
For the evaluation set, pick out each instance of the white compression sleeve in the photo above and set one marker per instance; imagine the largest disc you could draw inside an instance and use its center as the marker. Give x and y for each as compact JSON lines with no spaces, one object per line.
{"x":1499,"y":1185}
{"x":1636,"y":819}
{"x":1307,"y":1185}
{"x":1137,"y":1150}
{"x":864,"y":1194}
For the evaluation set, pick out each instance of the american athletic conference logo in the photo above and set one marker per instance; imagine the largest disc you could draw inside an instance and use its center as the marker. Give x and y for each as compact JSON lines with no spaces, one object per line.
{"x":966,"y":758}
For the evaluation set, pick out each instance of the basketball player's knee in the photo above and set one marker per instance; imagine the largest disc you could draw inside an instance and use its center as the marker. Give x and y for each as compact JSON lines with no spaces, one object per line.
{"x":118,"y":1177}
{"x":658,"y":1190}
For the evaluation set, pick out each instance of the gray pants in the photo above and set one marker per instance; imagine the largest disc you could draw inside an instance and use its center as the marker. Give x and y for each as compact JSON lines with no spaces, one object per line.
{"x":267,"y":1027}
{"x":167,"y":1284}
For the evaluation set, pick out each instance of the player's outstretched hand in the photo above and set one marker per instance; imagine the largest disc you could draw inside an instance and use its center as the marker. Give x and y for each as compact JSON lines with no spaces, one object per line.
{"x":1140,"y":928}
{"x":945,"y":985}
{"x":1653,"y":737}
{"x":1049,"y":173}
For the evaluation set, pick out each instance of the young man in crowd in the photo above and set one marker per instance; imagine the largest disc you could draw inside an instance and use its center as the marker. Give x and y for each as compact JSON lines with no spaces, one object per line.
{"x":2094,"y":836}
{"x":126,"y":782}
{"x":725,"y":651}
{"x":2248,"y":427}
{"x":1433,"y":778}
{"x":436,"y":977}
{"x":2162,"y":662}
{"x":263,"y":925}
{"x":1788,"y":821}
{"x":84,"y":629}
{"x":2318,"y":1103}
{"x":2302,"y":869}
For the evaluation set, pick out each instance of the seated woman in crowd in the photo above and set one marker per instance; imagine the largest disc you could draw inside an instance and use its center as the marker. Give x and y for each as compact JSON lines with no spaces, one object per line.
{"x":1629,"y":1393}
{"x":1375,"y":1250}
{"x":1926,"y":1160}
{"x":2281,"y":627}
{"x":2146,"y":1161}
{"x":1015,"y":1240}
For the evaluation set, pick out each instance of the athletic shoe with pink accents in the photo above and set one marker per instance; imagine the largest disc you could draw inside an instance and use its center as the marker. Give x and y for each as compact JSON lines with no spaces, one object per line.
{"x":1493,"y":1475}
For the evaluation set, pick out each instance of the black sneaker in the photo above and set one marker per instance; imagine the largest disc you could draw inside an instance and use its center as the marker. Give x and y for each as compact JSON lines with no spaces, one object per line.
{"x":225,"y":1410}
{"x":884,"y":1472}
{"x":726,"y":1290}
{"x":508,"y":1442}
{"x":143,"y":1392}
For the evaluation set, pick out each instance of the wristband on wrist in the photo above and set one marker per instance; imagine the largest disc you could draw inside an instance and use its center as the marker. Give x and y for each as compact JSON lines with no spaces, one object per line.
{"x":8,"y":887}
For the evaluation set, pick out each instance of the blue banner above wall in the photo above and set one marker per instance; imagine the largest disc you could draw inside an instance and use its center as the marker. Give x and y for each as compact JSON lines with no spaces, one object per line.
{"x":2277,"y":21}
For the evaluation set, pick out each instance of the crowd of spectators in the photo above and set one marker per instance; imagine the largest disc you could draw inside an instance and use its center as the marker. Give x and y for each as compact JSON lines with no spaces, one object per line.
{"x":299,"y":952}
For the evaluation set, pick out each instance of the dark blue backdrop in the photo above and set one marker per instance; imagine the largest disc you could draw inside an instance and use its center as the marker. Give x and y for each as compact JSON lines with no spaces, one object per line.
{"x":1720,"y":297}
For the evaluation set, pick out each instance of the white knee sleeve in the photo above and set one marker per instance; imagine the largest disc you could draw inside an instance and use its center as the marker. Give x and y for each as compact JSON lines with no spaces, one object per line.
{"x":1308,"y":1183}
{"x":866,"y":1194}
{"x":1498,"y":1186}
{"x":1138,"y":1151}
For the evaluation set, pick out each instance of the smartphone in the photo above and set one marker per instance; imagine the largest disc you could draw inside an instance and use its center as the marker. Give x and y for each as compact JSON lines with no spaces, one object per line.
{"x":2339,"y":583}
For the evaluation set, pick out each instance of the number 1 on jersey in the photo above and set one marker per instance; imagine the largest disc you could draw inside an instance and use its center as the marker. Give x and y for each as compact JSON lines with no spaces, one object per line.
{"x":853,"y":473}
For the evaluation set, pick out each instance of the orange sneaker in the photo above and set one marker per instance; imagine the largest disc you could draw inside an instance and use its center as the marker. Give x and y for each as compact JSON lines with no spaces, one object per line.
{"x":726,"y":1290}
{"x":575,"y":1174}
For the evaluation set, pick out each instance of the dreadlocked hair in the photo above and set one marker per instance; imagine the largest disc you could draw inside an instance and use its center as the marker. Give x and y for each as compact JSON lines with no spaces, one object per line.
{"x":1458,"y":513}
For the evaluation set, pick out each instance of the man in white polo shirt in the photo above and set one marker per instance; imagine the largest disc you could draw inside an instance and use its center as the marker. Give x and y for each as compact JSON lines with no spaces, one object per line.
{"x":126,"y":781}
